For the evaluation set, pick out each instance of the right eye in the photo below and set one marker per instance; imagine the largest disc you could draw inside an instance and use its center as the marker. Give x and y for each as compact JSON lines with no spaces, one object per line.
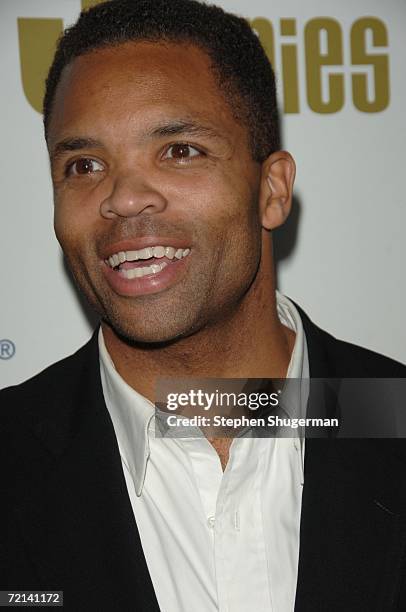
{"x":83,"y":166}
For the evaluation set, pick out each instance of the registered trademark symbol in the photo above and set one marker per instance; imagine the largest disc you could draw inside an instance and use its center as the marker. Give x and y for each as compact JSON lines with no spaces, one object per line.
{"x":7,"y":349}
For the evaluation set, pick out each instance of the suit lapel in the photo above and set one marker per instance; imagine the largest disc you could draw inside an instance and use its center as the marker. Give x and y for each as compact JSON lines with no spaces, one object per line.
{"x":353,"y":520}
{"x":77,"y":518}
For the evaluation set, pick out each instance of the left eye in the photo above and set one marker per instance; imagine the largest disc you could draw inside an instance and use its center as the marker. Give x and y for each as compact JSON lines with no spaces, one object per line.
{"x":181,"y":151}
{"x":86,"y":165}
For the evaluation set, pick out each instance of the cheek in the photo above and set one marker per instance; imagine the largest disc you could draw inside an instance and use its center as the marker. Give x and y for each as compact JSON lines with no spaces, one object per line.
{"x":72,"y":222}
{"x":66,"y":229}
{"x":221,"y":198}
{"x":231,"y":225}
{"x":243,"y":227}
{"x":234,"y":214}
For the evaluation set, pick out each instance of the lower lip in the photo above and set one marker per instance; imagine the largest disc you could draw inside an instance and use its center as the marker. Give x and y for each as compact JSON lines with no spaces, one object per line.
{"x":151,"y":283}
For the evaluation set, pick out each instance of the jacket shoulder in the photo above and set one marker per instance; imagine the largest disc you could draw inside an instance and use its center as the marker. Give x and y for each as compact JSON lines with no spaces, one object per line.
{"x":353,"y":358}
{"x":51,"y":386}
{"x":331,"y":357}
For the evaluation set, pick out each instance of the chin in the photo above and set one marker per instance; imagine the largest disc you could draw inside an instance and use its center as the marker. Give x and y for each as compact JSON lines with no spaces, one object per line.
{"x":148,"y":336}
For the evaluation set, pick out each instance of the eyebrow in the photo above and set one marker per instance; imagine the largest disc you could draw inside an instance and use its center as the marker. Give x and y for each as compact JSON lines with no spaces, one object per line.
{"x":176,"y":128}
{"x":173,"y":128}
{"x":74,"y":144}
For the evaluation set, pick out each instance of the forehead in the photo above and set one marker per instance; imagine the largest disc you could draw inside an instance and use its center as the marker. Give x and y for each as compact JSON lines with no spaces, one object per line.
{"x":140,"y":81}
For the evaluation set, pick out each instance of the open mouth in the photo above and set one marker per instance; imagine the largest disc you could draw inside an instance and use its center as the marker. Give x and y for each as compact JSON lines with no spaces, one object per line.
{"x":146,"y":261}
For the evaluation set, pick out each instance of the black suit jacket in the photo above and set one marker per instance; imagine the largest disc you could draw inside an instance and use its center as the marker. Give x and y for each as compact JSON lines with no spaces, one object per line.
{"x":67,"y":522}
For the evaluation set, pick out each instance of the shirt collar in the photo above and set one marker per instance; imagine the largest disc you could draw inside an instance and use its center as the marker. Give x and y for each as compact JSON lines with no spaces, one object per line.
{"x":289,"y":316}
{"x":132,"y":413}
{"x":296,"y":394}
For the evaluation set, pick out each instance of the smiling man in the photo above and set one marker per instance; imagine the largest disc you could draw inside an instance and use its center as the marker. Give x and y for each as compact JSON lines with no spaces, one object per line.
{"x":150,"y":168}
{"x":161,"y":124}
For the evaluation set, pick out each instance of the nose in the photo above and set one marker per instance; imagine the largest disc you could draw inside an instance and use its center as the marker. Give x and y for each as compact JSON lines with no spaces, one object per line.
{"x":131,"y":196}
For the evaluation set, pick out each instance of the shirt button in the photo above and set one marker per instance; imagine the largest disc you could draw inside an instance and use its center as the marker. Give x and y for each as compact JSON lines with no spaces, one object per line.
{"x":210,"y":521}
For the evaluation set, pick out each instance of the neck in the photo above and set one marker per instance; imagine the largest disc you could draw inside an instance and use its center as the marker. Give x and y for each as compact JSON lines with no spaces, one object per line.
{"x":249,"y":342}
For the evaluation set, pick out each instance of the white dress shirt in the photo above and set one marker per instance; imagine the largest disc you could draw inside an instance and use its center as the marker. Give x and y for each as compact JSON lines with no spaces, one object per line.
{"x":212,"y":540}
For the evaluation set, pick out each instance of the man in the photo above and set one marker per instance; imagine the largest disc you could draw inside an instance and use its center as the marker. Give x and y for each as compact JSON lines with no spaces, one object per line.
{"x":161,"y":125}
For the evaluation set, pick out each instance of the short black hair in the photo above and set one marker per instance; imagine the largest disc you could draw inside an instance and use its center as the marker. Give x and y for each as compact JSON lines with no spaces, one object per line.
{"x":243,"y":71}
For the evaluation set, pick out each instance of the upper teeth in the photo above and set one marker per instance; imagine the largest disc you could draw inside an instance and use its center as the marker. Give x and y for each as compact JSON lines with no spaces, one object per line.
{"x":147,"y":253}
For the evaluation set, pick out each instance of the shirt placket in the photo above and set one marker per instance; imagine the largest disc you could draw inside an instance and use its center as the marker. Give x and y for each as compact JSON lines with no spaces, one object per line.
{"x":239,"y":548}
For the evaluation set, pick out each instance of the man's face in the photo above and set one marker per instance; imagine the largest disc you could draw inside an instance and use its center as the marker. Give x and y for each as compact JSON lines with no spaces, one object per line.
{"x":145,"y":152}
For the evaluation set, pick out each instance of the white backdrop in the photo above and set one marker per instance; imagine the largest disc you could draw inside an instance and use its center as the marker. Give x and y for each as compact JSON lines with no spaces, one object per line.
{"x":342,"y":254}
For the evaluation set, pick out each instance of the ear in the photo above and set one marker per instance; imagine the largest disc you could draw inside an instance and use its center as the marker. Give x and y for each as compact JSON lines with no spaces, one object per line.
{"x":275,"y":196}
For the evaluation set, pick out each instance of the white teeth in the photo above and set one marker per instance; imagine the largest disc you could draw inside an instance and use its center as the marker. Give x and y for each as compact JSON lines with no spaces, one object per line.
{"x":159,"y":251}
{"x":170,"y":252}
{"x":139,"y":272}
{"x":131,"y":255}
{"x":147,"y":253}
